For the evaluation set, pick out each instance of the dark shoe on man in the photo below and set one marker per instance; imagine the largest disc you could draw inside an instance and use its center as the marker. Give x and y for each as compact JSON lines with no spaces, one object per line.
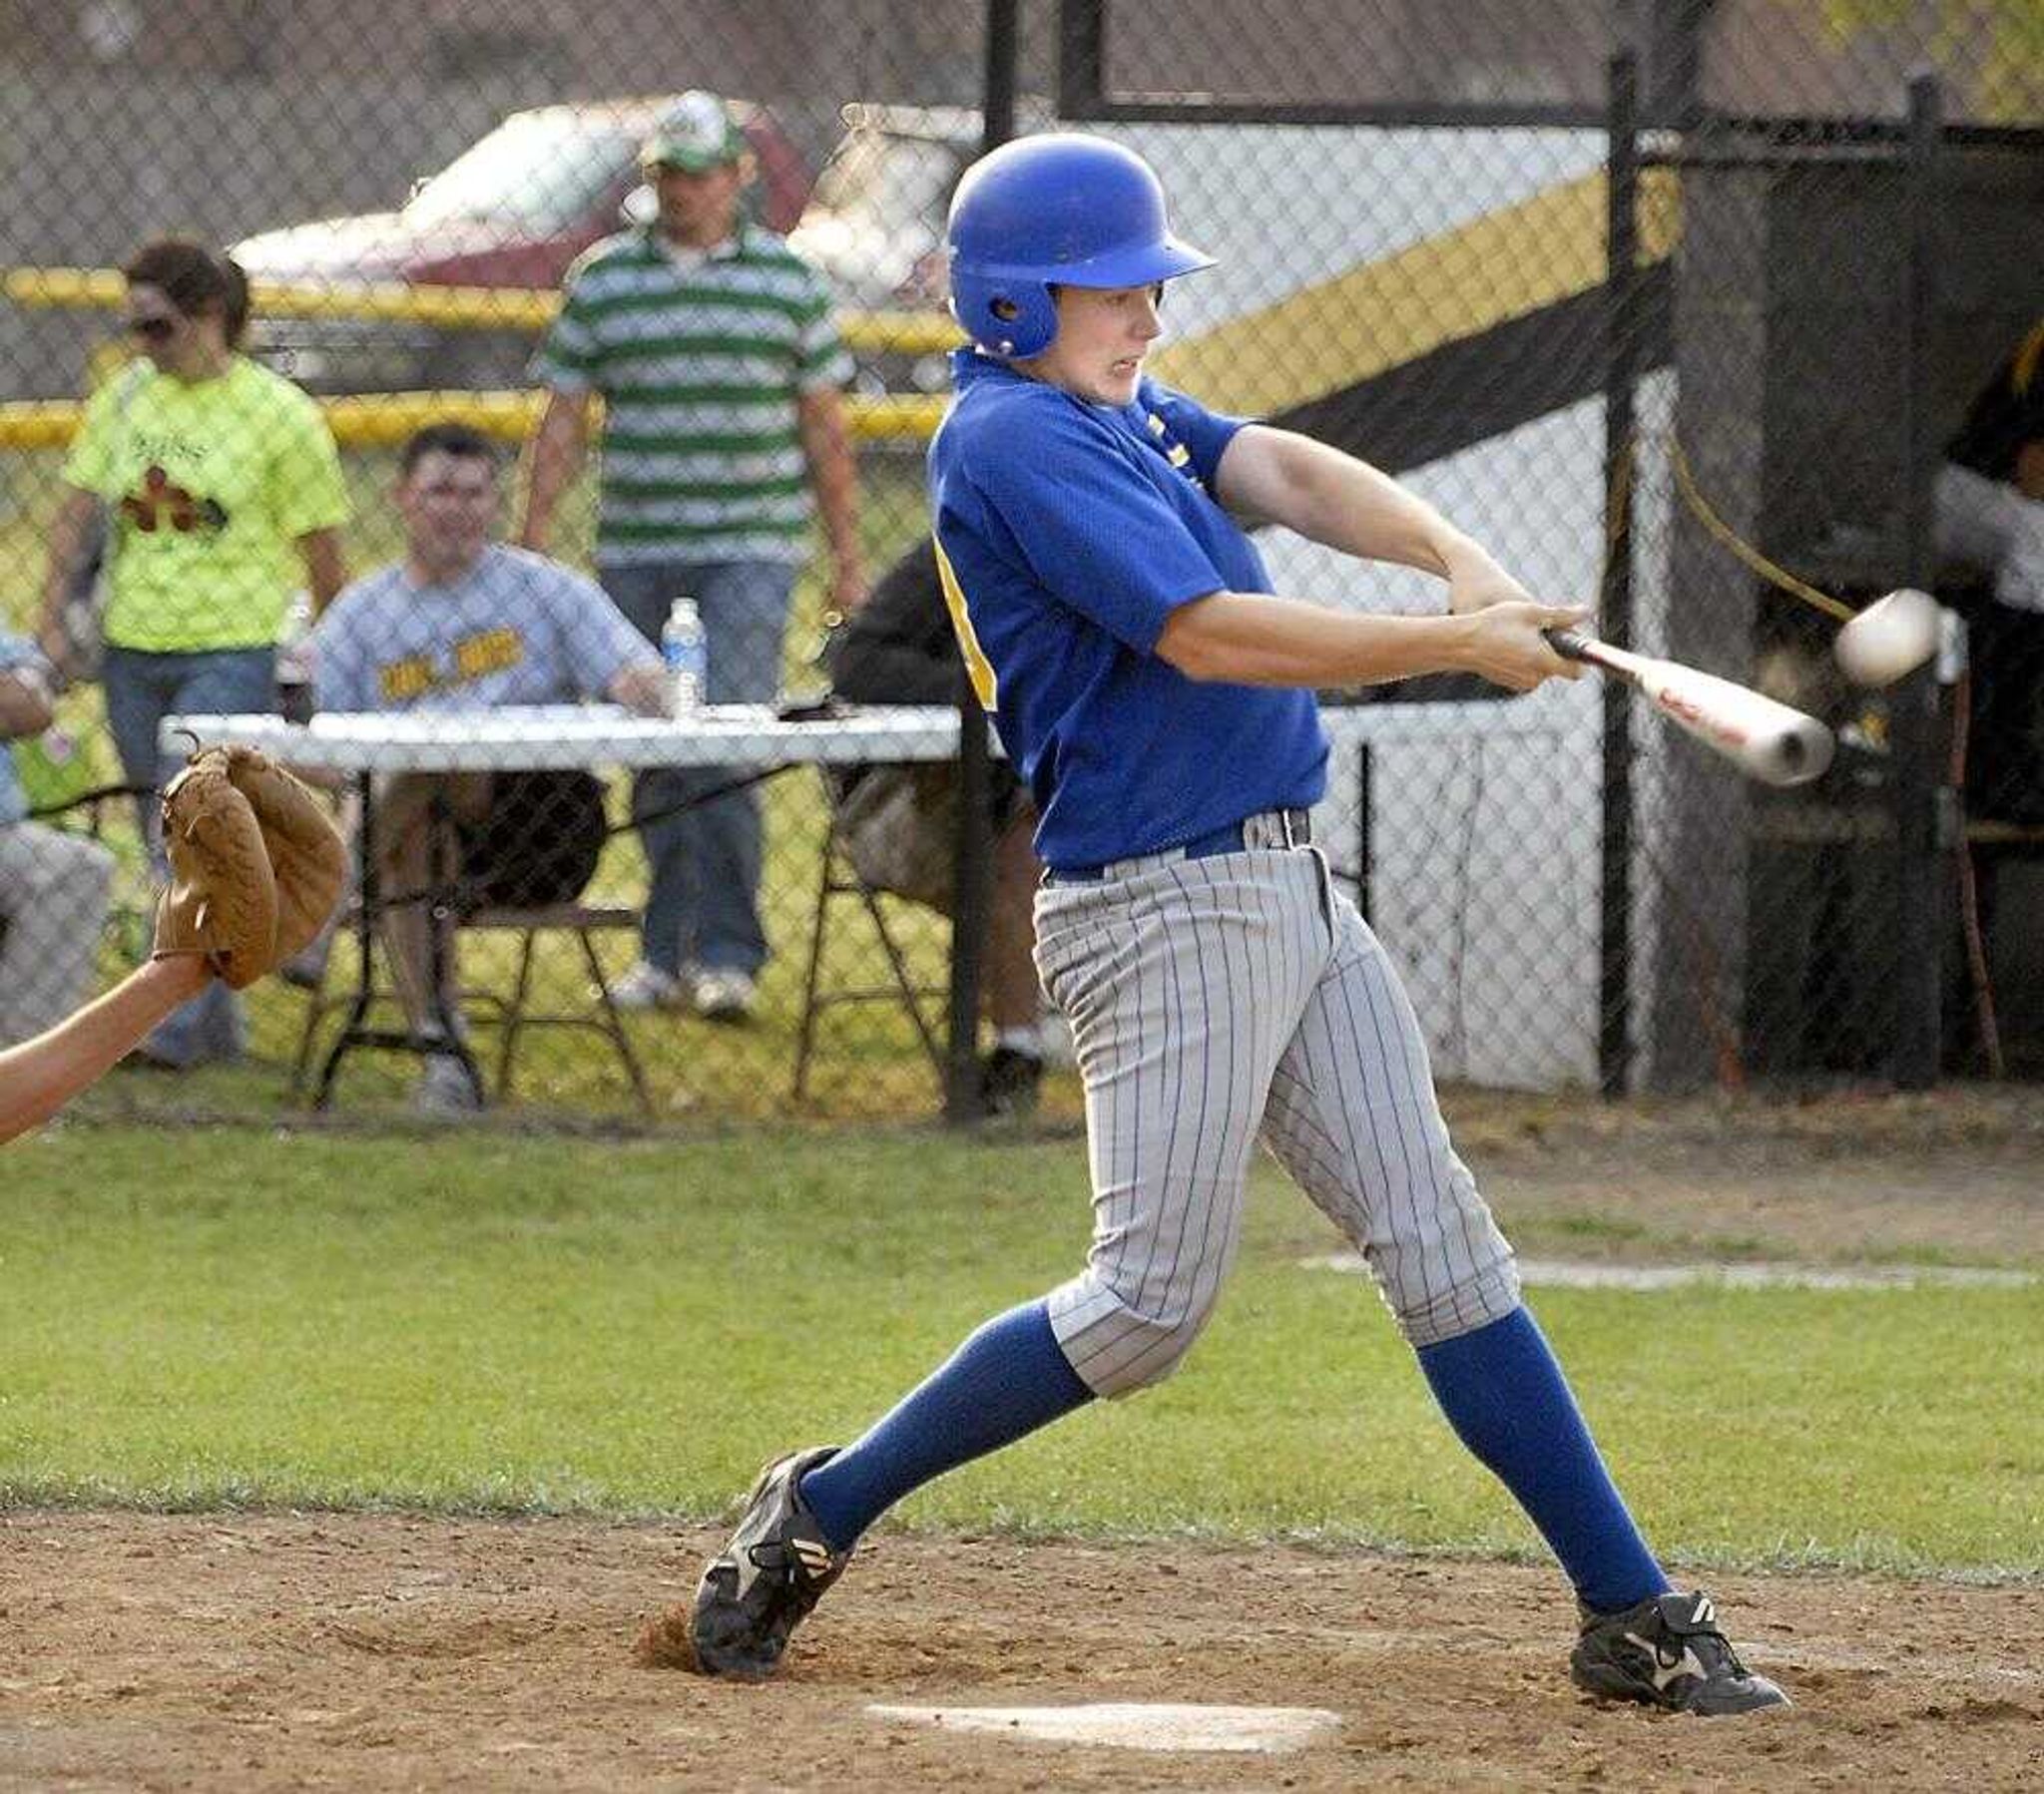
{"x":769,"y":1575}
{"x":1009,"y":1082}
{"x":1668,"y":1653}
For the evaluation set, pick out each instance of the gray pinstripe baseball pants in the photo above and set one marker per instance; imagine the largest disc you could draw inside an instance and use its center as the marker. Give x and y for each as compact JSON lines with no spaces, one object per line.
{"x":1214,"y":1001}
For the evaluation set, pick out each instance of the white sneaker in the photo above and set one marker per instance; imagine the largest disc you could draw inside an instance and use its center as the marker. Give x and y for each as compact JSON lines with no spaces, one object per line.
{"x":444,"y":1088}
{"x":645,"y":985}
{"x":724,"y":995}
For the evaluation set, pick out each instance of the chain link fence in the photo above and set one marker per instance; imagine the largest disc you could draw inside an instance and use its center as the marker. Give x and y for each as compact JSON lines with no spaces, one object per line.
{"x":537,"y":345}
{"x":1827,"y":389}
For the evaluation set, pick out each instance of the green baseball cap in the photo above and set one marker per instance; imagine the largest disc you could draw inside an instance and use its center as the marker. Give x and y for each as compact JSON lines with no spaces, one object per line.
{"x":697,"y":135}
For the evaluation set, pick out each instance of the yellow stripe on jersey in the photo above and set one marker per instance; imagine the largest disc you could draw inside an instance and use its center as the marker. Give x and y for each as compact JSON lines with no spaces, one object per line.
{"x":977,"y":665}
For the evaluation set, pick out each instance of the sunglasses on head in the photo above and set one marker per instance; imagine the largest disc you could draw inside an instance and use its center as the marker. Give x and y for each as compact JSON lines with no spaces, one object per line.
{"x":153,"y":329}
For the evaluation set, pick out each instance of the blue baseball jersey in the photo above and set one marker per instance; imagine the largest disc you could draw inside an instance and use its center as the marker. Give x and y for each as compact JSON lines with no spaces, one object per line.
{"x":1067,"y":533}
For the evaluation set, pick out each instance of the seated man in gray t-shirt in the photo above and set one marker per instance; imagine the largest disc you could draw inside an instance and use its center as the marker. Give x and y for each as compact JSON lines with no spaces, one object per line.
{"x":464,"y":623}
{"x":53,"y":885}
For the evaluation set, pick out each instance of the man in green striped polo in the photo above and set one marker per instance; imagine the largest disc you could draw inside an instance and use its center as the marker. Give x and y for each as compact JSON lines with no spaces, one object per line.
{"x":720,"y":368}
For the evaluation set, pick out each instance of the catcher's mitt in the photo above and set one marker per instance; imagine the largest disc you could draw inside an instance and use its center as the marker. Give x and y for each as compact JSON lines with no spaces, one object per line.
{"x":255,"y":864}
{"x":305,"y":849}
{"x":223,"y":897}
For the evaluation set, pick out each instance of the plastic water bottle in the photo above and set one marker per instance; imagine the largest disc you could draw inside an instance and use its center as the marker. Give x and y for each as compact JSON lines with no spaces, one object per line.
{"x":686,"y":654}
{"x":294,"y":661}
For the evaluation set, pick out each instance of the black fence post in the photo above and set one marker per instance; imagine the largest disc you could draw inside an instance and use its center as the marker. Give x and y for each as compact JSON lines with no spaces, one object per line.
{"x":1366,"y":845}
{"x":1920,"y":883}
{"x":1082,"y":36}
{"x":972,"y":866}
{"x":1615,"y":600}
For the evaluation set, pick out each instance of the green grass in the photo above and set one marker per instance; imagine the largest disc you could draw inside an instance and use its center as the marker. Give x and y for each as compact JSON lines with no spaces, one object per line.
{"x":534,"y":1325}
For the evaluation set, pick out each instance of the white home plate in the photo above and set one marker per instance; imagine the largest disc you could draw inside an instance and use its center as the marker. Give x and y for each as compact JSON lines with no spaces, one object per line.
{"x":1136,"y":1725}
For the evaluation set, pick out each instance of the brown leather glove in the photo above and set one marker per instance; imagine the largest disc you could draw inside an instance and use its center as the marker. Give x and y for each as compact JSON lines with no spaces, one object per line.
{"x":222,"y":902}
{"x":306,"y":850}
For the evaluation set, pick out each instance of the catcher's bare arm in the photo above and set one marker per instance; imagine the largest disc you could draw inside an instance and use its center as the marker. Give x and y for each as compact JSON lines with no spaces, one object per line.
{"x":40,"y":1076}
{"x":256,"y":869}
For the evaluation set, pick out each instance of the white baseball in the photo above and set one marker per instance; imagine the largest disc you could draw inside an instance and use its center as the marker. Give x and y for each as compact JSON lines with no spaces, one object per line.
{"x":1893,"y":636}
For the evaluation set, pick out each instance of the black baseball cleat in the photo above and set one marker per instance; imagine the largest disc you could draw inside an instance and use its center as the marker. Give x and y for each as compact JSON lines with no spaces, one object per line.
{"x":1668,"y":1653}
{"x":769,"y":1575}
{"x":1009,"y":1082}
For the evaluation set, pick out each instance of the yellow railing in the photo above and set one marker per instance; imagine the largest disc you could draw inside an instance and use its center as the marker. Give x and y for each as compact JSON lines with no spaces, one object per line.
{"x":385,"y":419}
{"x":443,"y":307}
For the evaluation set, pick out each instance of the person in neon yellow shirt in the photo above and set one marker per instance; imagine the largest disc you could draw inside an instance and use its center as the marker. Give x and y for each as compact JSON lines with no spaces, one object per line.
{"x":222,"y":494}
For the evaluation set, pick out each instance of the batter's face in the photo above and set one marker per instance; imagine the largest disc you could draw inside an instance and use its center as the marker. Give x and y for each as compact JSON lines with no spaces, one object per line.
{"x":1103,"y":335}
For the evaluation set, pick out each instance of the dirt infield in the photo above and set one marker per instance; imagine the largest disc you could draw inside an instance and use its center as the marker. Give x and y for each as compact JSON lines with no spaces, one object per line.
{"x":377,"y":1651}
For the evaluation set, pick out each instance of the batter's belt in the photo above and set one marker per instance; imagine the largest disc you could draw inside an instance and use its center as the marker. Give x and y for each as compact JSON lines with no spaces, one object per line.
{"x":1267,"y":828}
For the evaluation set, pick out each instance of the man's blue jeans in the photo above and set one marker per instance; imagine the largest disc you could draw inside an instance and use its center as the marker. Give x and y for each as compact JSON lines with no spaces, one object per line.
{"x":141,"y":690}
{"x":704,"y":905}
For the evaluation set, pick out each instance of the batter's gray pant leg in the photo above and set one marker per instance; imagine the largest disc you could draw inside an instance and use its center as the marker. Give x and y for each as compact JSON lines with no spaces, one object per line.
{"x":1182,"y":983}
{"x":1353,"y":1119}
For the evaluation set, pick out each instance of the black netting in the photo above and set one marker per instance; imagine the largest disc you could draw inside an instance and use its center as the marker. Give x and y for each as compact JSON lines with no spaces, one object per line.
{"x":1815,"y":382}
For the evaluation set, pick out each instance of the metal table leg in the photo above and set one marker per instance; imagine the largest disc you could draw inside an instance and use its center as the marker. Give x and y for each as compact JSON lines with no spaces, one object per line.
{"x":366,"y":901}
{"x":439,"y":916}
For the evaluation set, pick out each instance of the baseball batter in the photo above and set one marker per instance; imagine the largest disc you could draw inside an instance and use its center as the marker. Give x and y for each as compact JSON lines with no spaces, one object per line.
{"x":1121,"y":631}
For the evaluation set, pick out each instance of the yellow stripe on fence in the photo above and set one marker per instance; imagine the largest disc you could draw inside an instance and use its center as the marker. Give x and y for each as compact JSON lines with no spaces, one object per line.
{"x":1444,"y":288}
{"x":385,"y":419}
{"x":443,"y":307}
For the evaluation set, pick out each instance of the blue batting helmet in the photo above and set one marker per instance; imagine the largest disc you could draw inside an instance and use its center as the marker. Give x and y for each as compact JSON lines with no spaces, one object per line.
{"x":1067,"y":210}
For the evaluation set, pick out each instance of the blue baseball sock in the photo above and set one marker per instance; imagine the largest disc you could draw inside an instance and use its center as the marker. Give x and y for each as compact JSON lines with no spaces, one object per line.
{"x":1005,"y":1381}
{"x":1508,"y":1402}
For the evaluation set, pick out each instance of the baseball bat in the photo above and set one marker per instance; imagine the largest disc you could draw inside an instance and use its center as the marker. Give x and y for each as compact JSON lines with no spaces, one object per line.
{"x":1763,"y":739}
